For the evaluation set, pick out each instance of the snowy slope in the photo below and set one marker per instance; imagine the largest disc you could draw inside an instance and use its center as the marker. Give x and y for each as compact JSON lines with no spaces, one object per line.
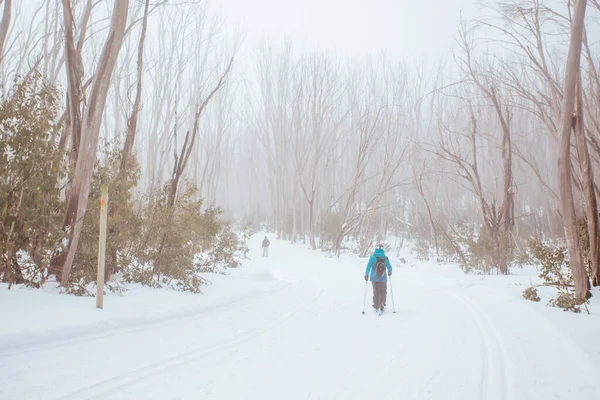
{"x":290,"y":327}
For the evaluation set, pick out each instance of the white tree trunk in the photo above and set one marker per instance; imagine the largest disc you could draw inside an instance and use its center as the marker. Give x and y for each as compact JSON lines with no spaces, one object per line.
{"x":564,"y":161}
{"x":92,"y":119}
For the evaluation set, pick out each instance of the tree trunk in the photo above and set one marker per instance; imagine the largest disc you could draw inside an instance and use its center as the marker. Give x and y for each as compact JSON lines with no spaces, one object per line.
{"x":588,"y":186}
{"x":86,"y":158}
{"x":564,"y":161}
{"x":129,"y":143}
{"x":311,"y":224}
{"x":338,"y":241}
{"x":4,"y":25}
{"x":506,"y":222}
{"x":74,"y":65}
{"x":133,"y":118}
{"x":419,"y":184}
{"x":294,"y":210}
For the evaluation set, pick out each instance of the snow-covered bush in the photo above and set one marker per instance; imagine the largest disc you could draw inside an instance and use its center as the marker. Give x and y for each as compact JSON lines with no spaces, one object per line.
{"x":124,"y":223}
{"x":172,"y":237}
{"x":531,"y":294}
{"x":555,"y":271}
{"x":149,"y":240}
{"x":31,"y":170}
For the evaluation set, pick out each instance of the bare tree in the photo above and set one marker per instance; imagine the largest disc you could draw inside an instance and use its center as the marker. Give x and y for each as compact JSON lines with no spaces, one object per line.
{"x":498,"y":221}
{"x":75,"y":82}
{"x":587,"y":184}
{"x":568,"y":120}
{"x":165,"y":78}
{"x":90,"y":128}
{"x":585,"y":103}
{"x":182,"y":157}
{"x":272,"y":116}
{"x":419,"y":172}
{"x":324,"y":117}
{"x":132,"y":122}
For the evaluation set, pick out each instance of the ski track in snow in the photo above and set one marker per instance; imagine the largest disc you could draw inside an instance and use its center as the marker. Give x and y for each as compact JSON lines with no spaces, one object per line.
{"x":114,"y":384}
{"x":20,"y":347}
{"x":494,"y":382}
{"x":304,"y":338}
{"x":494,"y":372}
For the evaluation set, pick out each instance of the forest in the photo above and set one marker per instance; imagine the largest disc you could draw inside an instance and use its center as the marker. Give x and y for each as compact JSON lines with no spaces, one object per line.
{"x":489,"y":159}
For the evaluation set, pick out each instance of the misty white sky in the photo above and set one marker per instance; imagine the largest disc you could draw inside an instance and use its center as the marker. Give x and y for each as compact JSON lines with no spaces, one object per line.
{"x":413,"y":29}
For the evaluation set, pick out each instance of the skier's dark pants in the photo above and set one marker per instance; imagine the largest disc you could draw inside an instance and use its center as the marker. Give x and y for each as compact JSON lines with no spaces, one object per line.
{"x":379,"y":294}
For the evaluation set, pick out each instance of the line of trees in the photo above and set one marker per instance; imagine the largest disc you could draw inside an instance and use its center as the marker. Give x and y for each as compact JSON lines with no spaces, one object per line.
{"x":469,"y":159}
{"x":58,"y":147}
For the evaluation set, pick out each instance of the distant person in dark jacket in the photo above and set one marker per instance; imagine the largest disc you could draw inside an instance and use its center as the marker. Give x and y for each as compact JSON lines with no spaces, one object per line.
{"x":265,"y":247}
{"x":378,"y":269}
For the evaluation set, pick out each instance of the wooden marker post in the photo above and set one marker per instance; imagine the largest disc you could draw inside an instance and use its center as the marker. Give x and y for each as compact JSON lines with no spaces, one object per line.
{"x":102,"y":247}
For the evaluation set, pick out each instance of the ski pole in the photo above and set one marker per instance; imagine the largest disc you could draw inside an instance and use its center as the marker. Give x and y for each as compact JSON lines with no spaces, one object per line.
{"x":365,"y":300}
{"x":392,"y":292}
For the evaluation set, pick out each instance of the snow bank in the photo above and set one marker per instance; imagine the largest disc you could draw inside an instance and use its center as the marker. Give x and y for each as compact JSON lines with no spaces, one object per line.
{"x":297,"y":315}
{"x":33,"y":317}
{"x":501,"y":297}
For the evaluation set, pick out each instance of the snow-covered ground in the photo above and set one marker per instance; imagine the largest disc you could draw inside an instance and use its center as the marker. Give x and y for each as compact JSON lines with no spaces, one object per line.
{"x":290,"y":327}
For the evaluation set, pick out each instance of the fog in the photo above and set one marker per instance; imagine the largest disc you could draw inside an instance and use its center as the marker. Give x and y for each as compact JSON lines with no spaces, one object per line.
{"x":343,"y":113}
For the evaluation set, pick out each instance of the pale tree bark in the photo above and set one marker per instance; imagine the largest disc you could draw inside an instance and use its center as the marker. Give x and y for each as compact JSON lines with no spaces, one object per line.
{"x":120,"y":106}
{"x":74,"y":65}
{"x":92,"y":118}
{"x":133,"y":118}
{"x":587,"y":183}
{"x":418,"y":177}
{"x":4,"y":25}
{"x":585,"y":159}
{"x":580,"y":276}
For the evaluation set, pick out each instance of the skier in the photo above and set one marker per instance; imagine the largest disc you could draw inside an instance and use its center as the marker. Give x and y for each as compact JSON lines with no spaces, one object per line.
{"x":376,"y":270}
{"x":265,"y":247}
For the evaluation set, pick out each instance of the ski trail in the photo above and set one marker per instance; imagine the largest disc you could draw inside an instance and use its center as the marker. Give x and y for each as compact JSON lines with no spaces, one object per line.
{"x":494,"y":382}
{"x":305,"y":338}
{"x":106,"y":387}
{"x":131,"y":326}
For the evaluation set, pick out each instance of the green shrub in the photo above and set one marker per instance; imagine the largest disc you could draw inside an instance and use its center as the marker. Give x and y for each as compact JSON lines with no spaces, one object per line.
{"x":531,"y":294}
{"x":179,"y":242}
{"x":31,"y":168}
{"x":149,"y":242}
{"x":555,"y":271}
{"x":124,"y":224}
